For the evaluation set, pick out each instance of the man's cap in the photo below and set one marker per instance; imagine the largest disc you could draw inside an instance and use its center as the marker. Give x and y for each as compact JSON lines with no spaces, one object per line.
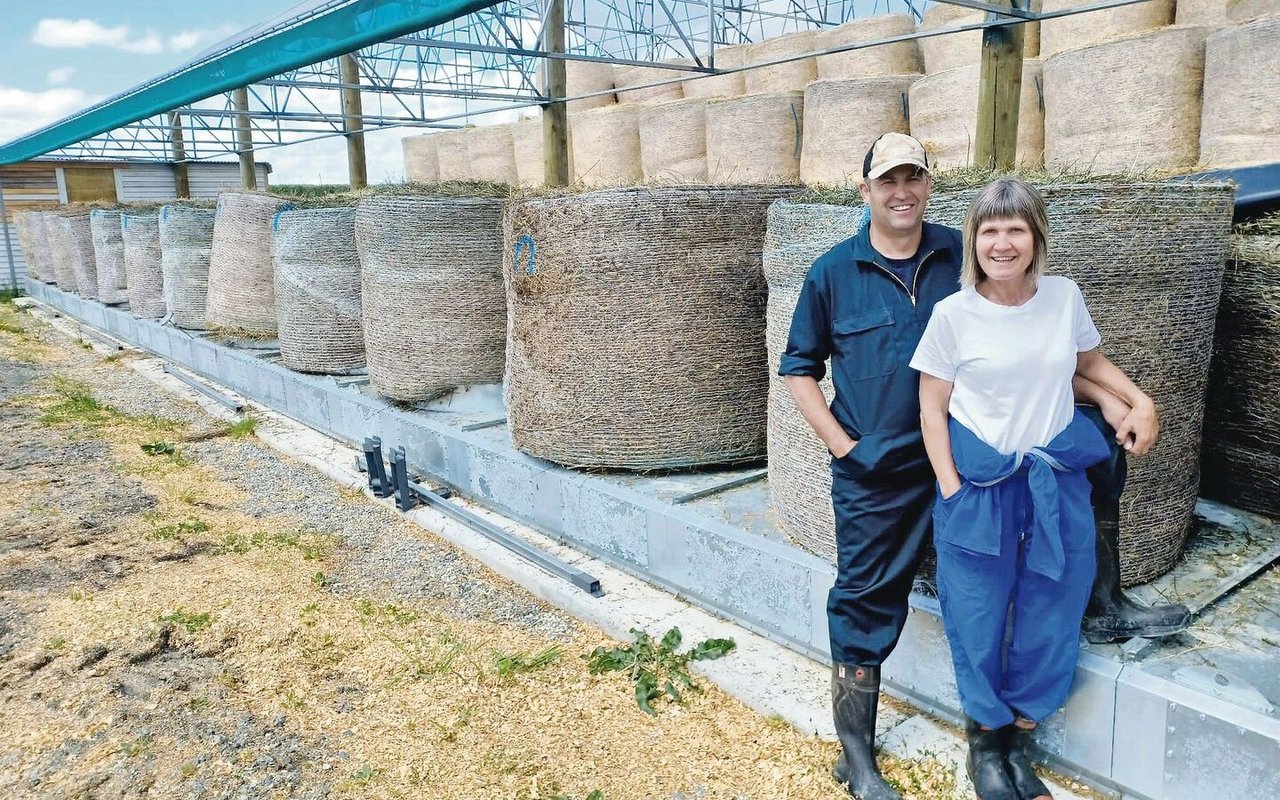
{"x":893,"y":150}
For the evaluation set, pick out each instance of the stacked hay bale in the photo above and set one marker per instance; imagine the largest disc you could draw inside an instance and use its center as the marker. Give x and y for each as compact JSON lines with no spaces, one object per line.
{"x":673,"y":142}
{"x":898,"y":58}
{"x":755,"y":139}
{"x":1245,"y":10}
{"x":786,"y":77}
{"x":1148,"y":257}
{"x":108,"y":253}
{"x":1241,"y":461}
{"x":491,"y":154}
{"x":431,"y":292}
{"x":606,"y":146}
{"x":144,"y":278}
{"x":1200,"y":12}
{"x":842,"y":118}
{"x":24,"y":225}
{"x":527,"y":144}
{"x":626,"y":77}
{"x":589,"y":77}
{"x":317,"y":274}
{"x":1126,"y":105}
{"x":451,"y":155}
{"x":1074,"y":31}
{"x":39,"y":260}
{"x":79,"y":248}
{"x":242,"y":286}
{"x":1240,"y":123}
{"x":731,"y":85}
{"x":420,"y":165}
{"x":948,"y":51}
{"x":944,"y":115}
{"x":61,"y":257}
{"x":636,"y":319}
{"x":186,"y":245}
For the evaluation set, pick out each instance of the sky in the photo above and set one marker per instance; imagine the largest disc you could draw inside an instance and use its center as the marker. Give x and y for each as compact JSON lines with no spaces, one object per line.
{"x":59,"y":56}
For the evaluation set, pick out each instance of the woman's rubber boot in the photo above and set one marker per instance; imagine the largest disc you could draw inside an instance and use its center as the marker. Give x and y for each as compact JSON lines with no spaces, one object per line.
{"x":1018,"y":761}
{"x":855,"y":696}
{"x":1111,"y":615}
{"x":985,"y":764}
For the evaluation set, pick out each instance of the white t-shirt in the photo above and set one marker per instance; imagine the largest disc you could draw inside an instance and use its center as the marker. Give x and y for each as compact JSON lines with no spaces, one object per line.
{"x":1010,"y":366}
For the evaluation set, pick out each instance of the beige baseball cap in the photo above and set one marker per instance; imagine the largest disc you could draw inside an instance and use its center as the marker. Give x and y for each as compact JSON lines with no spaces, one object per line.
{"x":894,"y":150}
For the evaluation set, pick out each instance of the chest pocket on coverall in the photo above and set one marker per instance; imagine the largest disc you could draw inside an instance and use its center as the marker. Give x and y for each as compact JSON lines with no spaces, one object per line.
{"x":867,"y":343}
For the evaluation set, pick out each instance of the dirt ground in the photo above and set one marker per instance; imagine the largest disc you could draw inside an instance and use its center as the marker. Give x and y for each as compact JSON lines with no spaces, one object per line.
{"x":186,"y":614}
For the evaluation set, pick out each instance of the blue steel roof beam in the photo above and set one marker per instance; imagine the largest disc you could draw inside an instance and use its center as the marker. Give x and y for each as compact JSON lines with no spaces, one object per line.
{"x":451,"y":93}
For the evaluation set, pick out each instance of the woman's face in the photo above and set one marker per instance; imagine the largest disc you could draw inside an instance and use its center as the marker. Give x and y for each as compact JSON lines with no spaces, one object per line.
{"x":1005,"y":248}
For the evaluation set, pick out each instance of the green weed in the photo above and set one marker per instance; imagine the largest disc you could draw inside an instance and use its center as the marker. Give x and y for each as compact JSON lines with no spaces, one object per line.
{"x":180,"y":530}
{"x":369,"y":611}
{"x":191,"y":621}
{"x":320,"y":580}
{"x":8,"y":294}
{"x":159,"y":447}
{"x":241,"y":543}
{"x":77,"y":404}
{"x":509,"y":664}
{"x":12,"y":327}
{"x":138,"y":746}
{"x":198,"y":704}
{"x":244,"y":428}
{"x":655,"y":666}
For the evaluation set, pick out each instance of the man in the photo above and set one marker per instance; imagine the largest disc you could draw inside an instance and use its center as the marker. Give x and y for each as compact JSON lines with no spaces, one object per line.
{"x":864,"y":305}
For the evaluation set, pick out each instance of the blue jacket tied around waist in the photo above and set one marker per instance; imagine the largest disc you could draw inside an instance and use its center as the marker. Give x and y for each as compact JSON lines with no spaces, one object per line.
{"x":1061,"y":517}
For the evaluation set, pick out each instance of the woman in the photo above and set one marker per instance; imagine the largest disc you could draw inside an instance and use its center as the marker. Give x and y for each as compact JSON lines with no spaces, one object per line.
{"x":1012,"y":523}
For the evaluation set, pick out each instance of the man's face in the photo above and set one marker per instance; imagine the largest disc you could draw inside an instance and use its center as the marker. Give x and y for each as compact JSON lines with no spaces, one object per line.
{"x":897,"y":198}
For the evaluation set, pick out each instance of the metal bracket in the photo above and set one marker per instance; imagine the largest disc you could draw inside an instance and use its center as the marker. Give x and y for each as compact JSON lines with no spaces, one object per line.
{"x":406,"y":500}
{"x":377,"y":471}
{"x":216,"y":396}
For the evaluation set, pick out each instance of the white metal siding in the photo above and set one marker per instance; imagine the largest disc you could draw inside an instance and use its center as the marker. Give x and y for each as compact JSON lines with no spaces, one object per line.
{"x":144,"y":182}
{"x":208,"y":179}
{"x":19,"y":260}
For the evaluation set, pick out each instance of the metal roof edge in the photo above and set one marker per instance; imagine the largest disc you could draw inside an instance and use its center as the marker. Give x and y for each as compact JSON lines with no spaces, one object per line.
{"x":330,"y":32}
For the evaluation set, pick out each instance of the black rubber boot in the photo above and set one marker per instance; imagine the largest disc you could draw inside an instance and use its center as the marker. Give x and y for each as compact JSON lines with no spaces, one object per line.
{"x":855,"y":696}
{"x":985,"y":763}
{"x":1018,"y":762}
{"x":1111,"y":615}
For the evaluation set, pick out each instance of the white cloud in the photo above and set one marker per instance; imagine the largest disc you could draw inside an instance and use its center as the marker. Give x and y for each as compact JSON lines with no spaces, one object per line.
{"x":202,"y":37}
{"x":61,"y":75}
{"x":80,"y":33}
{"x":22,"y":111}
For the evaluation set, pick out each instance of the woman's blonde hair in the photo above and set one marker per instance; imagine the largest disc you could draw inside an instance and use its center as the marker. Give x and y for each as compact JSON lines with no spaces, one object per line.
{"x":1005,"y":198}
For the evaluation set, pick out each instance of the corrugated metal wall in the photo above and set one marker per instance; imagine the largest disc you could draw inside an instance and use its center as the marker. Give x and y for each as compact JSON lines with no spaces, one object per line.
{"x":207,"y":180}
{"x":19,"y":260}
{"x":144,"y":183}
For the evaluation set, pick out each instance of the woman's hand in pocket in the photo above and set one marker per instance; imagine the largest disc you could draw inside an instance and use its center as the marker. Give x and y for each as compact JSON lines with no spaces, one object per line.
{"x":950,"y":489}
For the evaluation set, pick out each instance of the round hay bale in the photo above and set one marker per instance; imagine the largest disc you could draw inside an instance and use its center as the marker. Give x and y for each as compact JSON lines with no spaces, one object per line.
{"x":492,"y":154}
{"x":755,"y":139}
{"x":80,"y":249}
{"x":526,"y":142}
{"x":731,"y":85}
{"x":242,"y":284}
{"x":420,"y":165}
{"x":1200,"y":12}
{"x":944,"y":115}
{"x":60,"y":251}
{"x":1094,"y":27}
{"x":1148,"y":257}
{"x":1126,"y":105}
{"x":898,"y":58}
{"x":431,"y":293}
{"x":673,"y":142}
{"x":841,"y":121}
{"x":636,"y":327}
{"x":186,"y":244}
{"x":318,"y":289}
{"x":951,"y":50}
{"x":24,"y":225}
{"x":40,"y":257}
{"x":584,"y":77}
{"x":1241,"y":462}
{"x":1240,"y":123}
{"x":606,"y":146}
{"x":790,"y":76}
{"x":627,"y":76}
{"x":140,"y":234}
{"x":108,"y":253}
{"x":1245,"y":10}
{"x":452,"y":159}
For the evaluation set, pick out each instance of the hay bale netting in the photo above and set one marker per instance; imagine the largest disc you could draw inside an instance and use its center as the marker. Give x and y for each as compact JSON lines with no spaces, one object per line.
{"x":755,"y":139}
{"x":1200,"y":12}
{"x":1126,"y":105}
{"x":242,"y":284}
{"x":1240,"y":123}
{"x":1149,"y":258}
{"x":1074,"y":31}
{"x":186,"y":244}
{"x":420,"y":165}
{"x":108,"y":253}
{"x":627,"y":76}
{"x":843,"y":118}
{"x":317,"y":276}
{"x":24,"y":225}
{"x":526,"y":143}
{"x":731,"y":85}
{"x":789,"y":76}
{"x":944,"y":115}
{"x":673,"y":142}
{"x":140,"y":235}
{"x":1241,"y":460}
{"x":1245,"y":10}
{"x":61,"y":258}
{"x":586,"y":77}
{"x":636,"y":322}
{"x":951,"y":50}
{"x":898,"y":58}
{"x":606,"y":146}
{"x":492,"y":154}
{"x":39,"y":260}
{"x":452,"y":159}
{"x":431,"y":293}
{"x":79,"y":244}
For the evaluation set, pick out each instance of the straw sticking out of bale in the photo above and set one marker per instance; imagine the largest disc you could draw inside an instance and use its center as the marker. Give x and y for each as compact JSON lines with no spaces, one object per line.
{"x":1094,"y":27}
{"x":841,"y":121}
{"x":242,"y":285}
{"x":492,"y":154}
{"x":108,"y":253}
{"x":626,"y":77}
{"x":1240,"y":124}
{"x":317,"y":276}
{"x":944,"y":115}
{"x":431,"y":293}
{"x":140,"y":234}
{"x":452,"y":160}
{"x":635,"y":336}
{"x":755,"y":139}
{"x":584,"y":77}
{"x":899,"y":58}
{"x":673,"y":142}
{"x":420,"y":165}
{"x":1130,"y":104}
{"x":606,"y":146}
{"x":526,"y":142}
{"x":186,"y":243}
{"x":789,"y":76}
{"x":730,"y":85}
{"x":951,"y":50}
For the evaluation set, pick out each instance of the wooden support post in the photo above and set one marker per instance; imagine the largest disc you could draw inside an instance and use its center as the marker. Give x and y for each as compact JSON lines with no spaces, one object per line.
{"x":353,"y":122}
{"x":555,"y":117}
{"x":999,"y":89}
{"x":181,"y":178}
{"x":244,"y":138}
